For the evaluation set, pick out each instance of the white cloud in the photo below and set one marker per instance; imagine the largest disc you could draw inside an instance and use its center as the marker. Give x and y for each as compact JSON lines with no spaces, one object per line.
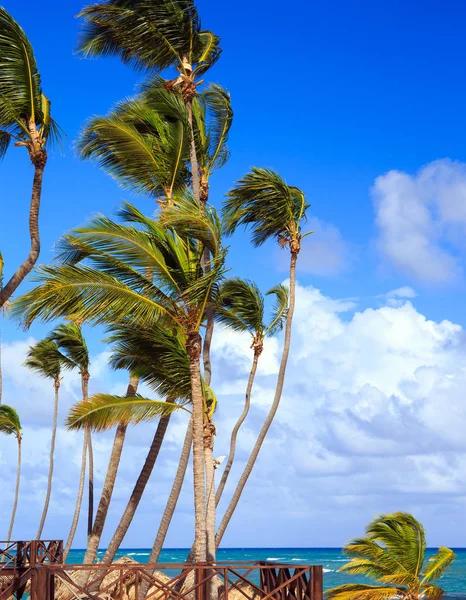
{"x":372,"y":419}
{"x":421,"y":220}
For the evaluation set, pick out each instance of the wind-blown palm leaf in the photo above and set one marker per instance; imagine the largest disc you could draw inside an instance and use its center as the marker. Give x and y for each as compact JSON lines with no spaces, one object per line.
{"x":241,"y":305}
{"x":354,"y":591}
{"x":70,"y":340}
{"x":189,"y":219}
{"x":156,"y":35}
{"x":393,"y":554}
{"x":265,"y":203}
{"x":403,"y":537}
{"x":140,"y":146}
{"x":156,"y":355}
{"x":104,"y":411}
{"x":21,"y":99}
{"x":213,"y":118}
{"x":437,"y":565}
{"x":46,"y":359}
{"x":9,"y":421}
{"x":280,"y":308}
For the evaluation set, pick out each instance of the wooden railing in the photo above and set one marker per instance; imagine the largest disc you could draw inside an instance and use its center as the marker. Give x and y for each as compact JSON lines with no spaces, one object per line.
{"x":51,"y":580}
{"x":27,"y":554}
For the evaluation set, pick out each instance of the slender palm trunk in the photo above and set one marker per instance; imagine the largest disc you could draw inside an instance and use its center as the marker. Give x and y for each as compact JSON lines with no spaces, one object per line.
{"x":1,"y":371}
{"x":236,"y":428}
{"x":138,"y":491}
{"x":109,"y":484}
{"x":193,"y":154}
{"x":171,"y":504}
{"x":39,"y":159}
{"x":209,"y":437}
{"x":52,"y":451}
{"x":79,"y":499}
{"x":193,"y":347}
{"x":276,"y":401}
{"x":90,"y":507}
{"x":15,"y":502}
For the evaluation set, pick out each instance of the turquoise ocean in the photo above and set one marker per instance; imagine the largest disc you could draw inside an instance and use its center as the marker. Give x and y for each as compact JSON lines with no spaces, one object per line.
{"x":454,"y":582}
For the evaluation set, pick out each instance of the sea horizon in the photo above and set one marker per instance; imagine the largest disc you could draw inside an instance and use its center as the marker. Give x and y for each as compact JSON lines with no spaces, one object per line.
{"x":331,"y":558}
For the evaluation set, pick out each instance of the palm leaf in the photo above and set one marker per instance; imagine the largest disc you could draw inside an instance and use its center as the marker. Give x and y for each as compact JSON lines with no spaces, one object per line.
{"x":280,"y":308}
{"x":437,"y":565}
{"x":104,"y":411}
{"x":265,"y":203}
{"x":356,"y":591}
{"x":240,"y":306}
{"x":9,"y":421}
{"x":46,"y":359}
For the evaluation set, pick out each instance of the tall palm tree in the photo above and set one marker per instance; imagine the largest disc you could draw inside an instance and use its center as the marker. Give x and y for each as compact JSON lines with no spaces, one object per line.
{"x":25,"y":119}
{"x":1,"y":371}
{"x":272,"y":209}
{"x":114,"y":288}
{"x":241,"y":307}
{"x":160,"y":36}
{"x":11,"y":425}
{"x":46,"y":359}
{"x":393,"y":553}
{"x":70,"y":340}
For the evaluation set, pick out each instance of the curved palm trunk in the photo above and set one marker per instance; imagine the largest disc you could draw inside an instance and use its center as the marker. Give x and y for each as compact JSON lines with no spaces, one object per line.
{"x":193,"y":155}
{"x":109,"y":483}
{"x":90,"y":507}
{"x":52,"y":451}
{"x":39,"y":159}
{"x":193,"y":347}
{"x":273,"y":409}
{"x":138,"y":491}
{"x":15,"y":502}
{"x":79,"y":499}
{"x":171,"y":504}
{"x":236,"y":428}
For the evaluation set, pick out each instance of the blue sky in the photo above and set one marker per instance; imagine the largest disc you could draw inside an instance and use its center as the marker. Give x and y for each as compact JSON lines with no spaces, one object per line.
{"x":361,"y":104}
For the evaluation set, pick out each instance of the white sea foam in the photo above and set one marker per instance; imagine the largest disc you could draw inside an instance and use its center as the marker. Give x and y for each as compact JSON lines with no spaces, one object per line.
{"x":274,"y":558}
{"x":301,"y":559}
{"x":138,"y":553}
{"x":327,"y":570}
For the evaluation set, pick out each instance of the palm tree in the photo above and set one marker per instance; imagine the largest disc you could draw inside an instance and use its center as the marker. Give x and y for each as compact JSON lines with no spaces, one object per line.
{"x":46,"y":359}
{"x":10,"y":425}
{"x":159,"y":36}
{"x":241,"y":307}
{"x":25,"y":119}
{"x":272,"y":209}
{"x":69,"y":339}
{"x":115,"y":289}
{"x":393,"y":554}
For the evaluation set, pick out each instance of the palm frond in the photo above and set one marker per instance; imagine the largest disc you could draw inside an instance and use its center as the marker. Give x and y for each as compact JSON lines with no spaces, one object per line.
{"x":219,"y":120}
{"x":155,"y":35}
{"x":437,"y":565}
{"x":70,"y":340}
{"x":104,"y":411}
{"x":355,"y":591}
{"x":46,"y":359}
{"x":9,"y":421}
{"x":265,"y":203}
{"x":280,"y":308}
{"x":403,"y":537}
{"x":241,"y":306}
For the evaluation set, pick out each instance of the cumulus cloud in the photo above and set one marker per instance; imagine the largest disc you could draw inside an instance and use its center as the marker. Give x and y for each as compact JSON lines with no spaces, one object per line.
{"x":421,"y":221}
{"x":372,"y":419}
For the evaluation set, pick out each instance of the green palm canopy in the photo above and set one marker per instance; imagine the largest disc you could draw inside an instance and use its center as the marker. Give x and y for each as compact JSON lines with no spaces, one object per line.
{"x":393,"y":553}
{"x":9,"y":421}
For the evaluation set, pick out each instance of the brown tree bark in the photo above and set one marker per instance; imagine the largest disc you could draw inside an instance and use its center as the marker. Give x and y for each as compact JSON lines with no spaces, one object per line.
{"x":193,"y":347}
{"x":39,"y":160}
{"x":236,"y":428}
{"x":52,"y":451}
{"x":138,"y":491}
{"x":273,"y":409}
{"x":109,"y":484}
{"x":15,"y":502}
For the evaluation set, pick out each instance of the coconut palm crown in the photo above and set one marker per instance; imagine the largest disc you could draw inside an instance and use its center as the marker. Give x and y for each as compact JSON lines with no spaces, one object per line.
{"x":263,"y":202}
{"x":393,"y":553}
